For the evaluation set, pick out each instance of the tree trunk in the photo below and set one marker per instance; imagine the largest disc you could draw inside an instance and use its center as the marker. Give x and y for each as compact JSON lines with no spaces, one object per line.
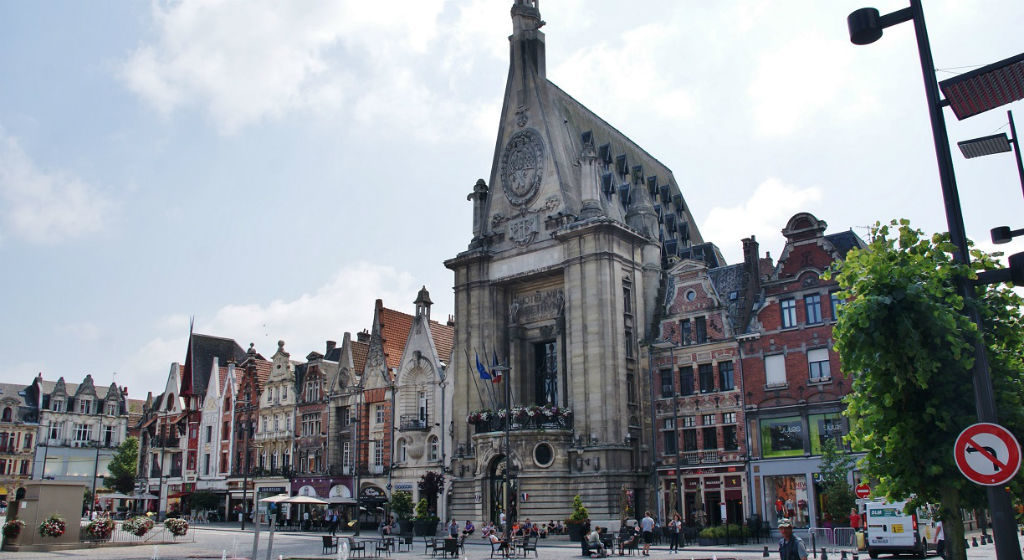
{"x":952,"y":524}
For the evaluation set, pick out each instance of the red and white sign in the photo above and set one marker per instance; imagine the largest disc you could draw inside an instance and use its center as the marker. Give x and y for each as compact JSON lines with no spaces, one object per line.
{"x":987,"y":454}
{"x":863,"y":490}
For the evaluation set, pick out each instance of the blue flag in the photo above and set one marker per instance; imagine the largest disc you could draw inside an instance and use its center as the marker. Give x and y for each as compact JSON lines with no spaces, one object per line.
{"x":480,"y":367}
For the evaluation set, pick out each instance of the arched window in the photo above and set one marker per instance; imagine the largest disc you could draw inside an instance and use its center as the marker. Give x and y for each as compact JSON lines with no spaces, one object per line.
{"x":403,"y":450}
{"x":7,"y":414}
{"x":170,"y":402}
{"x":435,"y":454}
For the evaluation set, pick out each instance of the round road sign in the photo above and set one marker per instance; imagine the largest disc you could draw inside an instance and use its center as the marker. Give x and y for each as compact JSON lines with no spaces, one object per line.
{"x":987,"y":454}
{"x":863,"y":490}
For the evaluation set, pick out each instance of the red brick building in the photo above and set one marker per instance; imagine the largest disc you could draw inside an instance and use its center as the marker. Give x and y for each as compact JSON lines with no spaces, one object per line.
{"x":791,"y":374}
{"x":698,"y":399}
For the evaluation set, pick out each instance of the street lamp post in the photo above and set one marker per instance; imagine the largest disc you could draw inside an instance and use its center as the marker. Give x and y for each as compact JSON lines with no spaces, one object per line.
{"x":508,"y":452}
{"x":866,"y":26}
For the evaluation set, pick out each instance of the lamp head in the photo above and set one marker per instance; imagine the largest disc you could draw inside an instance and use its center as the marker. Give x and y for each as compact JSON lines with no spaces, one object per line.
{"x":865,"y":26}
{"x":1001,"y":235}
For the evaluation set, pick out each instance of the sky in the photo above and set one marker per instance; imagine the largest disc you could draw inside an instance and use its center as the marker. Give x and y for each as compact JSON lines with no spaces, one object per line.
{"x":271,"y":168}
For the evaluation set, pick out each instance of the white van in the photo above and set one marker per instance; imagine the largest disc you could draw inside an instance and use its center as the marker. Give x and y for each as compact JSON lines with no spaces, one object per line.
{"x":891,"y":531}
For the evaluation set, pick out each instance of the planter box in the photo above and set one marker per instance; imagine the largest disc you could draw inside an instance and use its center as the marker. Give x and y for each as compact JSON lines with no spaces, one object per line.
{"x":575,"y":531}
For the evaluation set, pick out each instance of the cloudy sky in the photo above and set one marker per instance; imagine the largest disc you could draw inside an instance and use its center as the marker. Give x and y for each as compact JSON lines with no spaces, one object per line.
{"x":271,"y":168}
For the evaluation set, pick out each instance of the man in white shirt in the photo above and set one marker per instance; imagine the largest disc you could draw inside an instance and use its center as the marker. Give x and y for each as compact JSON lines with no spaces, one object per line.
{"x":647,"y":528}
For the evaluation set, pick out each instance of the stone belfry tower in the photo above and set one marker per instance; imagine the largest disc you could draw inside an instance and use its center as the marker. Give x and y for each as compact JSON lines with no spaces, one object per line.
{"x":560,"y":283}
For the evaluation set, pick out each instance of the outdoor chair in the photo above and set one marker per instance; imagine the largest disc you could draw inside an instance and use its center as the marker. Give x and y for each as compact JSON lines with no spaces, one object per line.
{"x":406,"y":541}
{"x":383,"y":545}
{"x":530,"y":544}
{"x":329,"y":544}
{"x":499,"y":548}
{"x":355,"y":546}
{"x":429,"y":546}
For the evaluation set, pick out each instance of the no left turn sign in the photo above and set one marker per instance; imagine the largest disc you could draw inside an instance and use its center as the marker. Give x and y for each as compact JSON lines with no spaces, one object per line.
{"x":987,"y":454}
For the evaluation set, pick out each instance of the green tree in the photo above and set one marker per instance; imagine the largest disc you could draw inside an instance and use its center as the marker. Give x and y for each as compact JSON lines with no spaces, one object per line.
{"x":124,"y":467}
{"x":401,"y":504}
{"x":431,"y":484}
{"x":203,"y":500}
{"x":837,"y":496}
{"x":904,"y":339}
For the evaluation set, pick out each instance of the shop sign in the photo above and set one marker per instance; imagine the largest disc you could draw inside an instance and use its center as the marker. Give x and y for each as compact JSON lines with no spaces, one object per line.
{"x":712,"y":483}
{"x":273,"y":489}
{"x":407,"y":486}
{"x":371,"y":492}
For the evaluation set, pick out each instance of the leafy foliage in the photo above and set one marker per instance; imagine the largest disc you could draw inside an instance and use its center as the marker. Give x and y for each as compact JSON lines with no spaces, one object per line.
{"x":579,"y":513}
{"x":905,"y":340}
{"x":431,"y":484}
{"x":837,"y":496}
{"x":124,"y":467}
{"x":401,"y":504}
{"x":203,"y":500}
{"x":423,"y":510}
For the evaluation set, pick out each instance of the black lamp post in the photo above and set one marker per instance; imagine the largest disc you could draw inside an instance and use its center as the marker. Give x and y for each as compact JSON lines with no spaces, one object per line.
{"x":866,"y":26}
{"x":508,"y":452}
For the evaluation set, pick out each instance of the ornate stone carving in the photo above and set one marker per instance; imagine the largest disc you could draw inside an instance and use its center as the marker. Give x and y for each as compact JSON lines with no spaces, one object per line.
{"x":521,"y":117}
{"x":522,"y":166}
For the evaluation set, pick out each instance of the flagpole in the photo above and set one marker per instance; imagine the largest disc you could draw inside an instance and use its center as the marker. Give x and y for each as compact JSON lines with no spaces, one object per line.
{"x":474,"y":375}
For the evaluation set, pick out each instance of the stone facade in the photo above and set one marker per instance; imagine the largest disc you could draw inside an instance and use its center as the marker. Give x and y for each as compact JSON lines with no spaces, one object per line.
{"x":19,"y":427}
{"x":80,"y":428}
{"x":560,"y":282}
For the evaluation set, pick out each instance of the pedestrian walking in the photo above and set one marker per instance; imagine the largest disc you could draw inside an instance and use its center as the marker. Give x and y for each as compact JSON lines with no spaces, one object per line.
{"x":647,"y":529}
{"x":790,"y":546}
{"x":674,"y":527}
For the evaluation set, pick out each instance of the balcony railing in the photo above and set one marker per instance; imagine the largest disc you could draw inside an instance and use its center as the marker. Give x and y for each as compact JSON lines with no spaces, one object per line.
{"x":412,"y":422}
{"x":706,"y":457}
{"x":58,"y":442}
{"x":165,"y":442}
{"x":495,"y":423}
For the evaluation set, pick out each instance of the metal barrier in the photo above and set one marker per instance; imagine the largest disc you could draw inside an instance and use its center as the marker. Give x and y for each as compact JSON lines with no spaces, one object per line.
{"x":845,"y":537}
{"x":158,"y":534}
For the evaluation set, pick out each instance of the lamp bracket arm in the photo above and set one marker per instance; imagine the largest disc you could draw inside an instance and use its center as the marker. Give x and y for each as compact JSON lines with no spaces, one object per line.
{"x":899,"y":16}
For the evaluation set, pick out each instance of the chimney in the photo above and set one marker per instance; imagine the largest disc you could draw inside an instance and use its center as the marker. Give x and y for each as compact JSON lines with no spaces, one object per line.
{"x":363,"y":336}
{"x":330,"y":346}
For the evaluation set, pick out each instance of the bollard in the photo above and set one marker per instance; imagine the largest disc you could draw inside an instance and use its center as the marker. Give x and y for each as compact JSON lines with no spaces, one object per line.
{"x":765,"y":553}
{"x":824,"y":554}
{"x":974,"y":541}
{"x":855,"y":555}
{"x":966,"y":544}
{"x":842,"y":555}
{"x":814,"y":547}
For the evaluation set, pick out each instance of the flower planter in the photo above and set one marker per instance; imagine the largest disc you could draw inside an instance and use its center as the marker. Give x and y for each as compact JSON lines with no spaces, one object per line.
{"x":575,"y":531}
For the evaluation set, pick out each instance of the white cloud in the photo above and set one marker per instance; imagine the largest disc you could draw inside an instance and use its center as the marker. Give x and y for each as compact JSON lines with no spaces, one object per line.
{"x":245,"y":62}
{"x":345,"y":303}
{"x":763,"y":215}
{"x":45,"y":206}
{"x":638,"y":52}
{"x":804,"y":81}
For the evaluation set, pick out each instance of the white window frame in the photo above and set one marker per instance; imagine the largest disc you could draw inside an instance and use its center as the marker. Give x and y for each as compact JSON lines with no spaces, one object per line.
{"x":787,"y":312}
{"x":433,"y":444}
{"x":775,"y":370}
{"x":818,"y":365}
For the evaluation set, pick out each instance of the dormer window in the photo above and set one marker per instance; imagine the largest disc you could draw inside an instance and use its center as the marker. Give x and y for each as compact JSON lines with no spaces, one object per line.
{"x":111,"y":409}
{"x":57,"y":405}
{"x":84,"y":406}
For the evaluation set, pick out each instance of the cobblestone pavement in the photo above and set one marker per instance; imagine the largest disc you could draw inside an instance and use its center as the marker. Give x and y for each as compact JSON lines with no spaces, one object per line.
{"x":215,"y":542}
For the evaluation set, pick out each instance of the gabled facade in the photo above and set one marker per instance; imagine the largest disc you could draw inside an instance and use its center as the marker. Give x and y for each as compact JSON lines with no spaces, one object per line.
{"x":214,"y":441}
{"x":80,"y":428}
{"x":19,"y":426}
{"x":423,"y":402}
{"x":253,"y":372}
{"x":571,"y":237}
{"x":698,"y":391}
{"x":791,"y":373}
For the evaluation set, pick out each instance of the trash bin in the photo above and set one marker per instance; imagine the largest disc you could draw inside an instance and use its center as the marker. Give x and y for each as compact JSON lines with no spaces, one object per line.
{"x":860,"y":540}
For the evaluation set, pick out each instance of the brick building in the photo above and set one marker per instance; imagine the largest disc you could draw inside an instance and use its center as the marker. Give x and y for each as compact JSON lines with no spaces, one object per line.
{"x":791,"y":374}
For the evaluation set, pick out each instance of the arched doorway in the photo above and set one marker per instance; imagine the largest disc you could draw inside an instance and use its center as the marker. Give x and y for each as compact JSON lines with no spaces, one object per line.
{"x":496,"y":490}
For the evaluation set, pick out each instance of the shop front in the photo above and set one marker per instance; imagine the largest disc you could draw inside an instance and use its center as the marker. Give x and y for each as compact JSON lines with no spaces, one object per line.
{"x":372,"y":501}
{"x":711,"y":496}
{"x":266,"y":488}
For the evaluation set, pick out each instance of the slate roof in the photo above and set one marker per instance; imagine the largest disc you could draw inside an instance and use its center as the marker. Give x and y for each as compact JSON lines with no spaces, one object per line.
{"x":196,"y":375}
{"x":72,"y":389}
{"x":26,"y":410}
{"x":843,"y":241}
{"x":582,"y":121}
